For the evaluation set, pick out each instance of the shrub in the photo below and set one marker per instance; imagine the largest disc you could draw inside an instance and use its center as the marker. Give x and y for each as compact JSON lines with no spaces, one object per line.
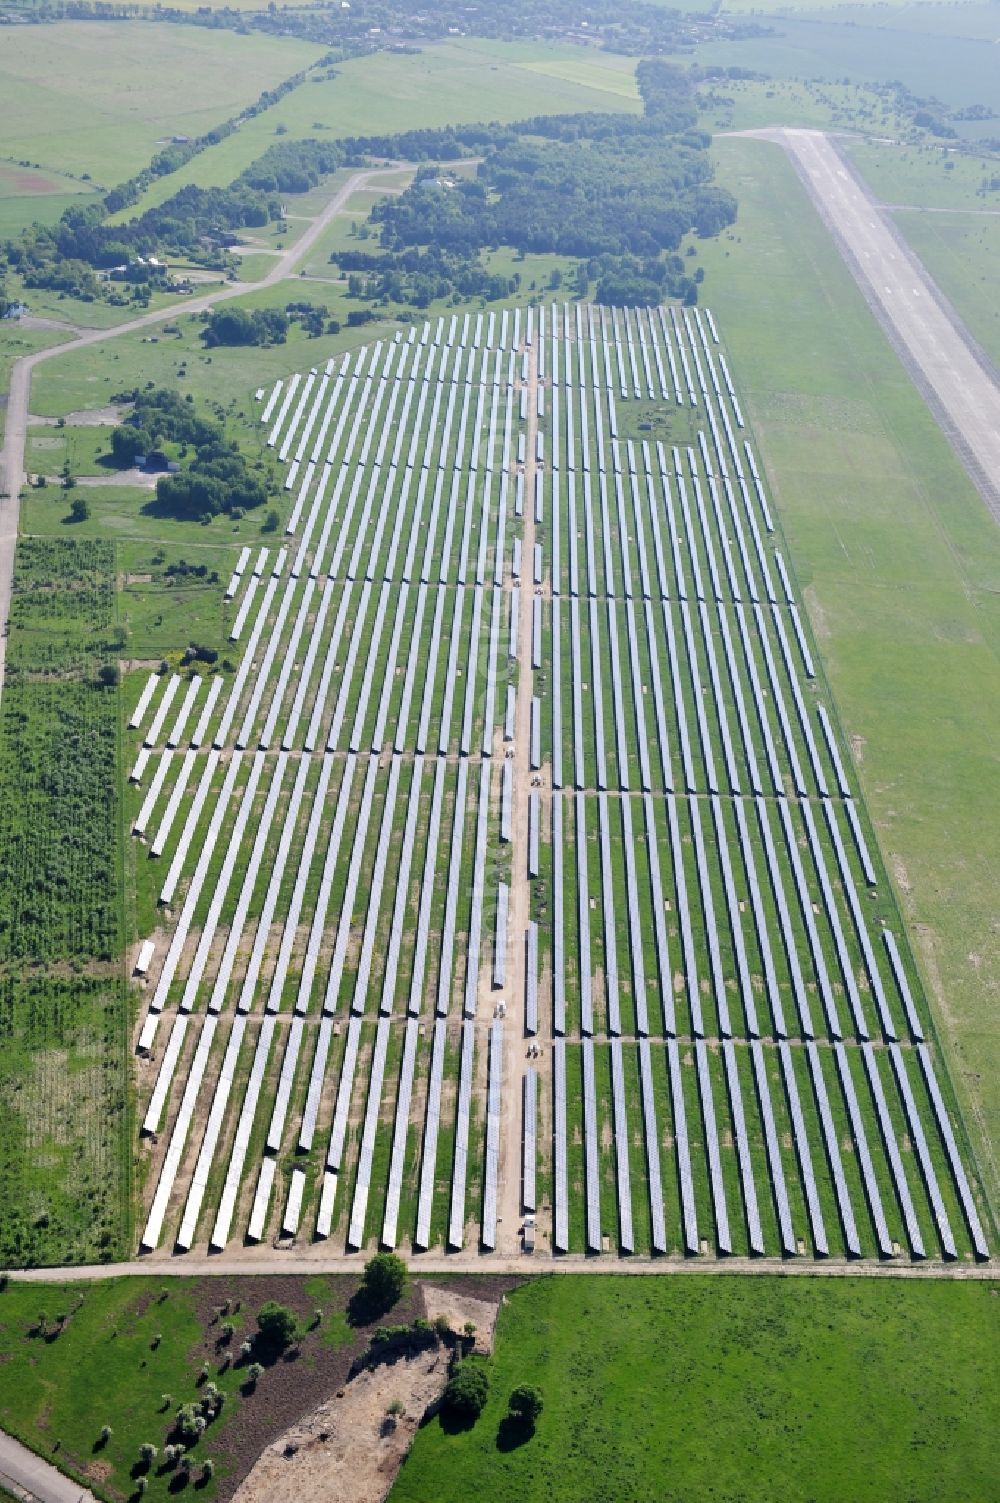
{"x":276,"y":1327}
{"x":383,"y":1281}
{"x":467,"y":1391}
{"x":525,"y":1404}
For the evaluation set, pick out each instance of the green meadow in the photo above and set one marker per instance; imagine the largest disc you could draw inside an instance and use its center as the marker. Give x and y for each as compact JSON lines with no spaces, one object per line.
{"x":678,"y":1390}
{"x":97,"y":97}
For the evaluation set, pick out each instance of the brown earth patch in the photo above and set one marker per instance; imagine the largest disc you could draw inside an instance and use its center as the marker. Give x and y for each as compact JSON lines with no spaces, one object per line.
{"x":296,"y":1386}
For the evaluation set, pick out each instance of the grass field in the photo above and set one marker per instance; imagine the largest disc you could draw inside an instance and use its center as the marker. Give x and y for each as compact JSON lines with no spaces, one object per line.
{"x":900,"y":563}
{"x":97,"y":97}
{"x":658,"y":1390}
{"x":127,"y":1353}
{"x":956,"y":69}
{"x":925,"y":177}
{"x":448,"y":83}
{"x":26,"y":196}
{"x":15,"y":342}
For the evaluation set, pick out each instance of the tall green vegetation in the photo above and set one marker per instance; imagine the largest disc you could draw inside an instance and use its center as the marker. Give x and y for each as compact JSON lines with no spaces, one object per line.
{"x":619,"y":191}
{"x":64,"y":1135}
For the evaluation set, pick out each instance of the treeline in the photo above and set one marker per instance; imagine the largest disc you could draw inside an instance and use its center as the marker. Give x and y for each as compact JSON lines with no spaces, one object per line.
{"x":629,"y":26}
{"x":616,"y":190}
{"x":419,"y":276}
{"x":582,"y":185}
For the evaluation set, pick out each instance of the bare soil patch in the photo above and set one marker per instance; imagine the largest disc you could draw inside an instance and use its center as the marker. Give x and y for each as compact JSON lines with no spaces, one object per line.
{"x":347,"y":1447}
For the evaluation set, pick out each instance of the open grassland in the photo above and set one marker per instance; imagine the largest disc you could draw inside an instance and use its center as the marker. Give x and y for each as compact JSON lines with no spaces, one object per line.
{"x":90,"y":377}
{"x":127,"y":1353}
{"x":750,"y":104}
{"x":449,"y":83}
{"x":27,"y":195}
{"x":900,"y":564}
{"x":15,"y":342}
{"x":666,"y":1389}
{"x":928,"y":177}
{"x":956,"y":69}
{"x":96,"y":97}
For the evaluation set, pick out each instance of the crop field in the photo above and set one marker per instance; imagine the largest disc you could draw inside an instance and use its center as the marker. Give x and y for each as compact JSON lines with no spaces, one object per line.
{"x":97,"y":97}
{"x":27,"y":196}
{"x":526,"y":792}
{"x":66,"y":1141}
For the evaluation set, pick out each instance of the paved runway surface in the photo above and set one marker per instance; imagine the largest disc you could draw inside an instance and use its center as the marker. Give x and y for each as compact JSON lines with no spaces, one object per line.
{"x":934,"y":344}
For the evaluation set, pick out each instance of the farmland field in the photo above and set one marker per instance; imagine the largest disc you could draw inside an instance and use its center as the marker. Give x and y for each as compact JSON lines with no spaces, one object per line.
{"x":97,"y":97}
{"x":554,"y":602}
{"x":27,"y":196}
{"x":65,"y":1120}
{"x":449,"y":83}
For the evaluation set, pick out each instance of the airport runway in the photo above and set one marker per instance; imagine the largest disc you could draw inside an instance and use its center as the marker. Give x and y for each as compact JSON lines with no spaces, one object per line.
{"x":956,"y":378}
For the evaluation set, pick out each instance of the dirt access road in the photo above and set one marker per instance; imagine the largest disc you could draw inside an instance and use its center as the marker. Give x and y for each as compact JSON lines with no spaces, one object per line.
{"x":12,"y":454}
{"x":264,"y":1260}
{"x":957,"y":380}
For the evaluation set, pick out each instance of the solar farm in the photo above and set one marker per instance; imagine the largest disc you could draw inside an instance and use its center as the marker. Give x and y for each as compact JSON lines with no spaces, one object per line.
{"x":519,"y":867}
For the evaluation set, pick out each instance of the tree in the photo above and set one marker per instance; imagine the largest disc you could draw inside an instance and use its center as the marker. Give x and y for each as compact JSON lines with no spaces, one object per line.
{"x":467,"y":1391}
{"x":126,"y":442}
{"x":79,"y":510}
{"x":271,"y":521}
{"x":276,"y":1326}
{"x":187,"y":1426}
{"x":525,"y":1404}
{"x":109,"y":675}
{"x":383,"y":1281}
